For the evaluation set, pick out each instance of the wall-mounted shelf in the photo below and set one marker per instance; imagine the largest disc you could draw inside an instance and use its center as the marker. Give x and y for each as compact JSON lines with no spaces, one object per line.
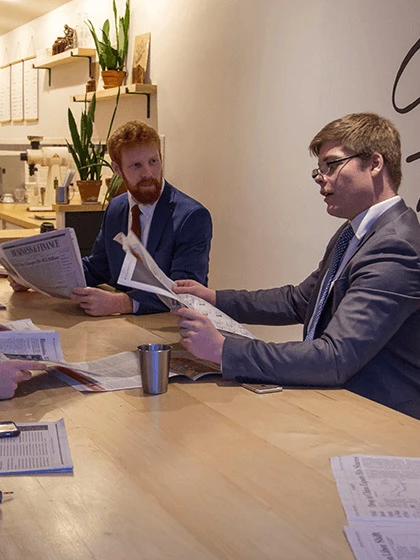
{"x":65,"y":57}
{"x":131,"y":89}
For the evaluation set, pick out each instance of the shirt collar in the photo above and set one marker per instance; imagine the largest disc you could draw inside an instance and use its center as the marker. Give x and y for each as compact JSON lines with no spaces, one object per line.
{"x":362,"y":223}
{"x":146,"y":209}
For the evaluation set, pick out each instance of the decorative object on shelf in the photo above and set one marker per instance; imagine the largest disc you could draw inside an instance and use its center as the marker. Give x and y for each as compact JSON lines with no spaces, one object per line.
{"x":140,"y":57}
{"x":87,"y":155}
{"x":91,"y":85}
{"x":113,"y":59}
{"x":59,"y":45}
{"x":71,"y":38}
{"x":69,"y":41}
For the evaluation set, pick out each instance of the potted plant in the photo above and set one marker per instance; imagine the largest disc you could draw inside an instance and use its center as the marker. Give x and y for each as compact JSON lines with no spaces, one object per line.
{"x":112,"y":60}
{"x":87,"y":155}
{"x":114,"y":186}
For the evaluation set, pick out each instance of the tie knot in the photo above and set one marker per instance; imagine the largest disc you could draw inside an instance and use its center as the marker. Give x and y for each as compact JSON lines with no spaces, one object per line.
{"x":135,"y":212}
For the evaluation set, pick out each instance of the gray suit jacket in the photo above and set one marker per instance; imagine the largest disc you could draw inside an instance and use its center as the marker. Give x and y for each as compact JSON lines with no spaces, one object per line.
{"x":368,"y":337}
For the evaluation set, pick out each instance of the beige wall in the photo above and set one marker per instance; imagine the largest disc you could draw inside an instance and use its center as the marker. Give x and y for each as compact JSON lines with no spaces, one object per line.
{"x":242,"y":88}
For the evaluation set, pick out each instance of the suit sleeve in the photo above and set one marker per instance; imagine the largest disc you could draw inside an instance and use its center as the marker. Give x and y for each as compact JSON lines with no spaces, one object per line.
{"x":370,"y":302}
{"x":190,"y":258}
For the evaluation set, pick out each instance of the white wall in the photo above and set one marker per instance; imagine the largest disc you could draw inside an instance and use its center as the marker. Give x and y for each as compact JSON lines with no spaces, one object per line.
{"x":243,"y":86}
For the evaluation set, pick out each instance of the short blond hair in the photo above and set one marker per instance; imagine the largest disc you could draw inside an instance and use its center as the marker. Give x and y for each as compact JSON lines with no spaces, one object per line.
{"x":364,"y":134}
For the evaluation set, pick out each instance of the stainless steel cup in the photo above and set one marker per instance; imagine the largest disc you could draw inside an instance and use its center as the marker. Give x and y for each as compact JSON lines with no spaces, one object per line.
{"x":154,"y":367}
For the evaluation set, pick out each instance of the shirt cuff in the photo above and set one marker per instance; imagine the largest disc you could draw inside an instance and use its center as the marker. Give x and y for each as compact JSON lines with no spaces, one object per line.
{"x":136,"y":306}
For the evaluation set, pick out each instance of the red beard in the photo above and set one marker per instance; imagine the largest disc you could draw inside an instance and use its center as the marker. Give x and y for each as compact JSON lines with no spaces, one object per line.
{"x":145,"y":192}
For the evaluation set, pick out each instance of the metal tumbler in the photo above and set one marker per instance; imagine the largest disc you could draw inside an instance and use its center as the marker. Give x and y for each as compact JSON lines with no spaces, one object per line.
{"x":154,"y":367}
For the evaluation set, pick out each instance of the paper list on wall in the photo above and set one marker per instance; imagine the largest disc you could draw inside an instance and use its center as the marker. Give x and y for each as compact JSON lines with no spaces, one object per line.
{"x":17,"y":91}
{"x":30,"y":91}
{"x":5,"y":113}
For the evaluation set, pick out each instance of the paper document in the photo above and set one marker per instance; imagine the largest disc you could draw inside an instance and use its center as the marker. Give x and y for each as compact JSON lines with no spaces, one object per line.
{"x":41,"y":447}
{"x":122,"y":371}
{"x":49,"y":262}
{"x":381,"y":498}
{"x":373,"y":542}
{"x":22,"y":325}
{"x":140,"y":271}
{"x":378,"y":489}
{"x":43,"y":346}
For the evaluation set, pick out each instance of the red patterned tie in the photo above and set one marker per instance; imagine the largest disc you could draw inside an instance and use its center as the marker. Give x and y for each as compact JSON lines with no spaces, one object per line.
{"x":135,"y":220}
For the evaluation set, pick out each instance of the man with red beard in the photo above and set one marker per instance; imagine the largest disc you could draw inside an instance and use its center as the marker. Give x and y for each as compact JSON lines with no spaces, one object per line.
{"x":175,"y":229}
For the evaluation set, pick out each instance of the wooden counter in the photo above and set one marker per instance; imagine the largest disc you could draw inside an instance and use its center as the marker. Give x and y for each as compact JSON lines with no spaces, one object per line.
{"x":206,"y":471}
{"x":19,"y":215}
{"x":85,"y":219}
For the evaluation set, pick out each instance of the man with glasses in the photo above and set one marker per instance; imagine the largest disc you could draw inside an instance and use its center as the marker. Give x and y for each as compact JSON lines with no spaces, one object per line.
{"x":360,"y":308}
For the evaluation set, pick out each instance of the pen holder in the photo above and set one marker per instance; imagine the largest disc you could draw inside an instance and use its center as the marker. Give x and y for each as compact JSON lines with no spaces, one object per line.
{"x":154,"y":367}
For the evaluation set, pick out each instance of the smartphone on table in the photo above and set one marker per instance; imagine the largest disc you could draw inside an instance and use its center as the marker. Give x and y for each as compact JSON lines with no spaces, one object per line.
{"x":262,"y":388}
{"x":8,"y":429}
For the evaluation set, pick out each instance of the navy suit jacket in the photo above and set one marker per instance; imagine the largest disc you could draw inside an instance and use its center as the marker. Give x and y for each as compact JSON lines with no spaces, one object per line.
{"x":368,"y":337}
{"x":179,"y":241}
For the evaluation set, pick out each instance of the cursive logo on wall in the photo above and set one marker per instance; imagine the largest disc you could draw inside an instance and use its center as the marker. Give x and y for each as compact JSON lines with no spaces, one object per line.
{"x":410,"y":106}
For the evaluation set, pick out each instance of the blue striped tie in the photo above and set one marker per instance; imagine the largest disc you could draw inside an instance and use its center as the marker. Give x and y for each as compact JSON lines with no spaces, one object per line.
{"x":340,"y":248}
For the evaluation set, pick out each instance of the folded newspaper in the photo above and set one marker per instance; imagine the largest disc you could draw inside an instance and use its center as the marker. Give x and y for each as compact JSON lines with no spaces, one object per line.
{"x":141,"y":272}
{"x":22,"y":340}
{"x":49,"y":263}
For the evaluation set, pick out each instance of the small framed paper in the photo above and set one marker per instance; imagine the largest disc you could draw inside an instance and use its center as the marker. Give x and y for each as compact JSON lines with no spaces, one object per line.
{"x":140,"y":57}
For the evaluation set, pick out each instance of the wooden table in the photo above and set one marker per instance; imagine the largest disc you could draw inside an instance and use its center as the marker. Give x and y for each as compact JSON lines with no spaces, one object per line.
{"x":206,"y":471}
{"x":18,"y":223}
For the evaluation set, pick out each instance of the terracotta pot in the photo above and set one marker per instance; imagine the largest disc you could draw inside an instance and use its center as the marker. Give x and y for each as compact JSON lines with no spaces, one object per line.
{"x":113,"y":78}
{"x":89,"y":191}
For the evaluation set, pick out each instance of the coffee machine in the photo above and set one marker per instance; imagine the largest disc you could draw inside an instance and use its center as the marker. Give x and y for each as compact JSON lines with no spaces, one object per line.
{"x":53,"y":157}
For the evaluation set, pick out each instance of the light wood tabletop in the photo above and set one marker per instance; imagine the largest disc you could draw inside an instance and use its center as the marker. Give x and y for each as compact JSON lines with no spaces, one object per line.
{"x":207,"y":470}
{"x":19,"y":215}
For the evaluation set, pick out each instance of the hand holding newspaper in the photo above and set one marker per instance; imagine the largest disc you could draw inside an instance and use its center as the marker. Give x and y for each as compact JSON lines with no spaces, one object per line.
{"x":49,"y":263}
{"x":141,"y":272}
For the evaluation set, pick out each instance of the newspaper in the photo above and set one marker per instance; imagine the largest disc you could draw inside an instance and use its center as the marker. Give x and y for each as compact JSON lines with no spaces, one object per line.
{"x":122,"y":371}
{"x":25,"y":341}
{"x":49,"y":263}
{"x":381,"y":499}
{"x":375,"y":542}
{"x":41,"y":447}
{"x":43,"y":346}
{"x":141,"y":272}
{"x":378,"y":488}
{"x":22,"y":325}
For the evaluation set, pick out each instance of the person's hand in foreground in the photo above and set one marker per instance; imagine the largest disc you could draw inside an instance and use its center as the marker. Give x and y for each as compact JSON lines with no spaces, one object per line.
{"x":199,"y":335}
{"x":16,"y":286}
{"x":13,"y":372}
{"x":196,"y":289}
{"x":97,"y":302}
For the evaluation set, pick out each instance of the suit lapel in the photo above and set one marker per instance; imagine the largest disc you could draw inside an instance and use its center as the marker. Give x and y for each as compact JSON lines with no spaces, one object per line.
{"x":162,"y":213}
{"x":384,"y":219}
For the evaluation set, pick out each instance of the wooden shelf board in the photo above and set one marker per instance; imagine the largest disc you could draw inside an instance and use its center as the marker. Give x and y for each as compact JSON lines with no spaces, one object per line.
{"x":129,"y":89}
{"x":65,"y":57}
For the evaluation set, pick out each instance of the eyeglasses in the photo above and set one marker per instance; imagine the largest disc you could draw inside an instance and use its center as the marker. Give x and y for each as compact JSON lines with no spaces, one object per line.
{"x":328,"y":167}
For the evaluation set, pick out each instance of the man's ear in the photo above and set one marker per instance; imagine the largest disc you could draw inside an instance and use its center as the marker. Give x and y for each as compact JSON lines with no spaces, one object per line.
{"x":376,"y":164}
{"x":116,"y":168}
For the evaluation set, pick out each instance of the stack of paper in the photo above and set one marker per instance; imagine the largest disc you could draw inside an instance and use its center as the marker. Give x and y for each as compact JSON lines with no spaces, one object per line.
{"x":381,"y":498}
